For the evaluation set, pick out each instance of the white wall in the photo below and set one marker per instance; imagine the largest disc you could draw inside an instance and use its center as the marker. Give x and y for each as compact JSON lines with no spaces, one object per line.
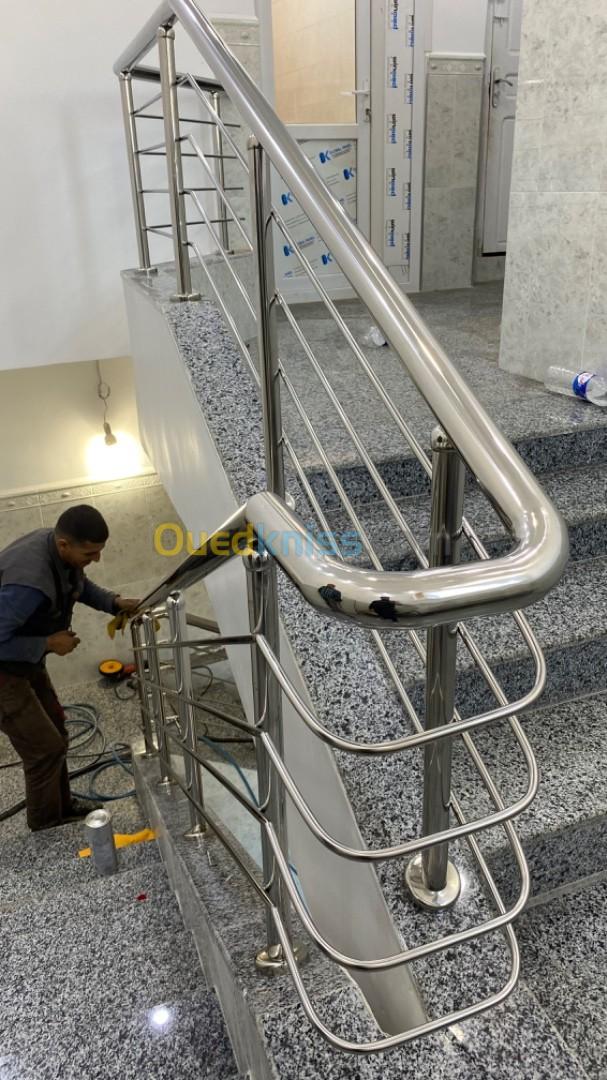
{"x":459,"y":26}
{"x":66,"y":226}
{"x":49,"y":417}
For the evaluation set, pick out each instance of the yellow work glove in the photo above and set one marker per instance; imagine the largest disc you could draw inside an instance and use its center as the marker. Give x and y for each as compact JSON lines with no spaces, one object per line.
{"x":119,"y":622}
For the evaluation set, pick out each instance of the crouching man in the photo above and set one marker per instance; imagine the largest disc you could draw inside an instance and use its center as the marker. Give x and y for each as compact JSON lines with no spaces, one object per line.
{"x":41,"y":578}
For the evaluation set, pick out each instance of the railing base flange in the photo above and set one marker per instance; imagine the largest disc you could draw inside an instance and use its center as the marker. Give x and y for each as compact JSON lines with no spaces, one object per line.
{"x":272,"y":960}
{"x":428,"y":898}
{"x":180,"y":298}
{"x":197,"y":832}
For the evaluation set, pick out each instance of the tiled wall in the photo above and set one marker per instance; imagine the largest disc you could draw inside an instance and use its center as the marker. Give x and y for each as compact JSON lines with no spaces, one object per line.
{"x":453,"y":116}
{"x":555,"y":304}
{"x":129,"y":565}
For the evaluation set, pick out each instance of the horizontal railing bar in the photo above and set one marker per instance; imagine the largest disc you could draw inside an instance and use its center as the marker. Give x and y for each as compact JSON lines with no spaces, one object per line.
{"x":219,"y":714}
{"x":391,"y":1042}
{"x":203,"y":643}
{"x":246,"y":803}
{"x":203,"y":82}
{"x":211,"y":221}
{"x":395,"y":851}
{"x":168,"y":235}
{"x":202,"y":623}
{"x":202,"y":157}
{"x":236,"y":221}
{"x":182,"y":119}
{"x":165,"y":191}
{"x":407,"y":956}
{"x":232,"y":272}
{"x":146,"y":104}
{"x":413,"y":443}
{"x":148,"y":149}
{"x":311,"y":430}
{"x":309,"y":492}
{"x":159,"y":153}
{"x":220,"y":123}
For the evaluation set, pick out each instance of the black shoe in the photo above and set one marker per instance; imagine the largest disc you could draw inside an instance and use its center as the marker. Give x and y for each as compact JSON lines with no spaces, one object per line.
{"x":79,"y":810}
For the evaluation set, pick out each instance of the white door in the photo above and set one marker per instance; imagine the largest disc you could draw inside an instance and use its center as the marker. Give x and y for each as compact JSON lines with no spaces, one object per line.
{"x":322,"y":71}
{"x":505,"y":48}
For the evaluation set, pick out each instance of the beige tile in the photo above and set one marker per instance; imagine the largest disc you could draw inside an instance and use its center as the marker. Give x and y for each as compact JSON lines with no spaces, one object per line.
{"x":80,"y":493}
{"x":51,"y":511}
{"x":16,"y":523}
{"x":130,"y":545}
{"x":18,"y":502}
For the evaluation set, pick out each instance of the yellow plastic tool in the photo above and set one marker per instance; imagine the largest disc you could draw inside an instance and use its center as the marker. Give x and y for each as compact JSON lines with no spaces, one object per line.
{"x":124,"y":840}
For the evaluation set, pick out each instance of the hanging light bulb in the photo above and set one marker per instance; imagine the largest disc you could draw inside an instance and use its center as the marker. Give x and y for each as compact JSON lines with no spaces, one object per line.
{"x":109,"y":455}
{"x":103,"y":393}
{"x":110,"y":438}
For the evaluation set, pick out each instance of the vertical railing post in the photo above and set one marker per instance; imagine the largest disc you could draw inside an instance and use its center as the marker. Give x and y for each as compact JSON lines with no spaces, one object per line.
{"x":172,"y":139}
{"x":143,"y":688}
{"x":186,"y":712}
{"x":267,"y":699}
{"x":261,"y":209}
{"x":132,"y":149}
{"x":220,"y":173}
{"x":157,"y":697}
{"x":433,"y":880}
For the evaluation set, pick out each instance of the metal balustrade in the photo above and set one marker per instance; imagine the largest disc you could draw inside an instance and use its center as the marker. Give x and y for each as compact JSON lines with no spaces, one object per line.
{"x":436,"y":597}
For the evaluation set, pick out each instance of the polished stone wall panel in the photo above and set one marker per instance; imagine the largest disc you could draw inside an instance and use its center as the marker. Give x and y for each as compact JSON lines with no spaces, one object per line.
{"x":451,"y":168}
{"x":556,"y":276}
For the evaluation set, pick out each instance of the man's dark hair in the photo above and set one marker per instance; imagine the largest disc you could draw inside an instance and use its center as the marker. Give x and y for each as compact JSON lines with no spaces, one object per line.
{"x":82,"y":524}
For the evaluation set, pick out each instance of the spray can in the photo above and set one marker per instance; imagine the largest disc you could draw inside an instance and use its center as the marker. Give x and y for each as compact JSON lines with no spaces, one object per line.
{"x":100,"y":838}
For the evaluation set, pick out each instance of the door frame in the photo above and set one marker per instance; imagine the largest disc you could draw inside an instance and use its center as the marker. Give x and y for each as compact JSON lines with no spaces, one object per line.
{"x":302,"y":290}
{"x":483,"y":157}
{"x":376,"y":24}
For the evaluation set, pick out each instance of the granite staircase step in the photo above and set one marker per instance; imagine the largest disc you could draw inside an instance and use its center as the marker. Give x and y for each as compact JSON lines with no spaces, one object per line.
{"x":563,"y":963}
{"x":564,"y":832}
{"x":550,"y":432}
{"x":99,"y":977}
{"x":579,"y":494}
{"x":271,"y":1034}
{"x":570,"y":625}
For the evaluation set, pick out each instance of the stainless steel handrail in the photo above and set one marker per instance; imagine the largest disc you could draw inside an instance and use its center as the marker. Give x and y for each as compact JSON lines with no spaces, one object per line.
{"x":434,"y":596}
{"x":500,"y":922}
{"x":431,"y":597}
{"x":383,"y":600}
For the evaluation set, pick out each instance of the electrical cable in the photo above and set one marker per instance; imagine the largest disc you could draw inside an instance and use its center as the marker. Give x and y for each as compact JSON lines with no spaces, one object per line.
{"x":225,"y":754}
{"x":86,"y":718}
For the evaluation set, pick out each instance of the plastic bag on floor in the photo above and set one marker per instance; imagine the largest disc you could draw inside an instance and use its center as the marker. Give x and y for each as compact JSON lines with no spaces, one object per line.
{"x":373,"y":339}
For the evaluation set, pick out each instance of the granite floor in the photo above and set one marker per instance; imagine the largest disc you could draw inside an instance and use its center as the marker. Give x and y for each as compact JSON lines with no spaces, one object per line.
{"x":99,"y":978}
